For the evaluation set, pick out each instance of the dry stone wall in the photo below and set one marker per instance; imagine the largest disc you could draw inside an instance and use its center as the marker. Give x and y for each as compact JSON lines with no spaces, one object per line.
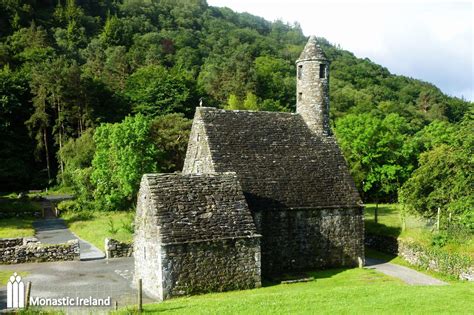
{"x":116,"y":249}
{"x":10,"y":242}
{"x":20,"y":214}
{"x":31,"y":250}
{"x":383,"y":243}
{"x":429,"y":258}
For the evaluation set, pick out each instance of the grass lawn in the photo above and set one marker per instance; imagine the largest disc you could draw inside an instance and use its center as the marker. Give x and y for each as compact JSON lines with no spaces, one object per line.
{"x":350,"y":291}
{"x":16,"y":227}
{"x":95,"y":226}
{"x":5,"y":275}
{"x":390,"y":222}
{"x":421,"y":230}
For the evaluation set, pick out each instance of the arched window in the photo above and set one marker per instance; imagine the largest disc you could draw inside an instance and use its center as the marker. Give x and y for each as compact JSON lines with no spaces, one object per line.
{"x":322,"y":71}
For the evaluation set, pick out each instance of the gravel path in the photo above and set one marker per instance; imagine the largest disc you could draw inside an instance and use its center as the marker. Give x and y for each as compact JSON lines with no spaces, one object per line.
{"x":55,"y":231}
{"x":52,"y":230}
{"x":405,"y":274}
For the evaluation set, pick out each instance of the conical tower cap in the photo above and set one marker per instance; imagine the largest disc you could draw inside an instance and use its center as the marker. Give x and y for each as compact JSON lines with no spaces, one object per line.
{"x":312,"y":51}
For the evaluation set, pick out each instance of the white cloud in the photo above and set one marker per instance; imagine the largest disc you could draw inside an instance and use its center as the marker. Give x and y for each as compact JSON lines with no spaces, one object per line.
{"x":427,"y":40}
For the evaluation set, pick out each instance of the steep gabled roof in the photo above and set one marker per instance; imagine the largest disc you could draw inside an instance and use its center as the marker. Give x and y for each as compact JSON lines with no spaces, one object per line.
{"x":279,"y":161}
{"x":312,"y":51}
{"x":190,"y":208}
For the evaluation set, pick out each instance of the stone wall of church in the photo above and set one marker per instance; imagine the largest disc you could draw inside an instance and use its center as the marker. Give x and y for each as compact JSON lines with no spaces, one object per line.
{"x":298,"y":240}
{"x":211,"y":266}
{"x":194,"y":234}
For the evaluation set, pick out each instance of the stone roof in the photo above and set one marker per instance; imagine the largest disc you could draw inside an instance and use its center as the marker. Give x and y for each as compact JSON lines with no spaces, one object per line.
{"x":312,"y":51}
{"x":280,"y":162}
{"x":190,"y":208}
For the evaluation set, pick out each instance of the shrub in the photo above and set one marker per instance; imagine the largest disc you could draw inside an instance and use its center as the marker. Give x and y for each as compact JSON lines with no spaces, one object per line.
{"x":439,"y":240}
{"x":18,"y":207}
{"x":68,"y":205}
{"x":128,"y":225}
{"x":111,"y":227}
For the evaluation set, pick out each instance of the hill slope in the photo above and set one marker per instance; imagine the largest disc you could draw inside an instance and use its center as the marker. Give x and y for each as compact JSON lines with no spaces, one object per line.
{"x":69,"y":65}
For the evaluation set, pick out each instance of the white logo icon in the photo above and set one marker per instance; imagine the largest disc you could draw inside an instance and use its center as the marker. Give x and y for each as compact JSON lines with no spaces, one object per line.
{"x":15,"y":292}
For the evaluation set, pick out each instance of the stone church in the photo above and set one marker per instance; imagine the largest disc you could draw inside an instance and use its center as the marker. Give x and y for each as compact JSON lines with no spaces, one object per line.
{"x":261,"y":193}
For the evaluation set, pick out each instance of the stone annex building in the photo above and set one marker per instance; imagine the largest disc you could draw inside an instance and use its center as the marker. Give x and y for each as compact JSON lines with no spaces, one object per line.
{"x":261,"y":194}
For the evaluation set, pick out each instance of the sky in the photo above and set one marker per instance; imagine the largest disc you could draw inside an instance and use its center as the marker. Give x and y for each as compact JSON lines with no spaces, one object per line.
{"x":427,"y":40}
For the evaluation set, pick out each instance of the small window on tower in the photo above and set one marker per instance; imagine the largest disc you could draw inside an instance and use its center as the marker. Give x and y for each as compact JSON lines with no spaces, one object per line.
{"x":300,"y":71}
{"x":322,"y":71}
{"x":300,"y":96}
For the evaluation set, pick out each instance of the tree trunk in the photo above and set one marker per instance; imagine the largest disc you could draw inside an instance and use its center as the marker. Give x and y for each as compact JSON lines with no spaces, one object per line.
{"x":48,"y":166}
{"x":61,"y":131}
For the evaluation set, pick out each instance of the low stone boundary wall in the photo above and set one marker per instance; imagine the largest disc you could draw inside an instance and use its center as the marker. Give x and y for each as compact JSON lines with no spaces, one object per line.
{"x":115,"y":249}
{"x":416,"y":254}
{"x":10,"y":242}
{"x":382,"y":243}
{"x":27,"y":250}
{"x":437,"y":260}
{"x":20,"y":214}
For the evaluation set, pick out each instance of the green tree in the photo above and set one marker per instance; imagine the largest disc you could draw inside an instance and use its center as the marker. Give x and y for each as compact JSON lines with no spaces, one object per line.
{"x":154,"y":91}
{"x":77,"y":155}
{"x":233,"y":103}
{"x":379,"y":152}
{"x":123,"y":153}
{"x":250,"y":101}
{"x":170,"y":134}
{"x":275,"y":79}
{"x":16,"y":146}
{"x":72,"y":35}
{"x":58,"y":102}
{"x":444,"y":178}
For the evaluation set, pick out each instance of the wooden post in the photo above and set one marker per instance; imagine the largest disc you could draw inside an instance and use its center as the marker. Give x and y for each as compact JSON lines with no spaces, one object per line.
{"x":404,"y":224}
{"x":360,"y":261}
{"x":27,"y":295}
{"x":438,"y":218}
{"x":140,"y":300}
{"x":116,"y":305}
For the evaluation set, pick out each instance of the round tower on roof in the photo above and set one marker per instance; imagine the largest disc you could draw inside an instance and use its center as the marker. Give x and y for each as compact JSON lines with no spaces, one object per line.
{"x":312,"y":87}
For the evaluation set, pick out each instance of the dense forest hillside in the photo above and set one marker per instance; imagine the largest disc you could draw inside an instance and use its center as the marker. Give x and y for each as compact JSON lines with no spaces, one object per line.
{"x":68,"y":66}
